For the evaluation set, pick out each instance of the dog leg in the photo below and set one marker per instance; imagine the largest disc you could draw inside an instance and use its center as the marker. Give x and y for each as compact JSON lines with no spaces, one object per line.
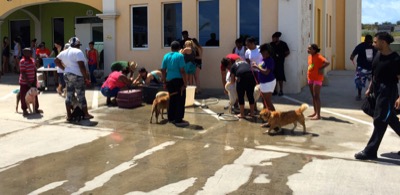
{"x":294,"y":127}
{"x":162,"y":113}
{"x":152,"y":113}
{"x":303,"y":123}
{"x":157,"y":113}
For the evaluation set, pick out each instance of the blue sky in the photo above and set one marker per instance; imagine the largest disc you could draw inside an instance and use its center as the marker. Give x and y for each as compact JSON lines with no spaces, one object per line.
{"x":380,"y":11}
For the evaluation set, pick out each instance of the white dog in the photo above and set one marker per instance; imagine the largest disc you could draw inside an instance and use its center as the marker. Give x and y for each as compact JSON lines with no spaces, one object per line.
{"x":30,"y":98}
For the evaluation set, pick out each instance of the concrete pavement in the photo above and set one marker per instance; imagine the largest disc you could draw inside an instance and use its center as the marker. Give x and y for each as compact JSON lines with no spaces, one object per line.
{"x":120,"y":152}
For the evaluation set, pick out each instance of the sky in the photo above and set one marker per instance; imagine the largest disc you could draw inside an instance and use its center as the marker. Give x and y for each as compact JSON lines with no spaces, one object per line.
{"x":380,"y":11}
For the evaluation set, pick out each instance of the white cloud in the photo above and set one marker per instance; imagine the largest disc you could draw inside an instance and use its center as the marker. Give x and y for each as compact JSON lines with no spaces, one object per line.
{"x":380,"y":11}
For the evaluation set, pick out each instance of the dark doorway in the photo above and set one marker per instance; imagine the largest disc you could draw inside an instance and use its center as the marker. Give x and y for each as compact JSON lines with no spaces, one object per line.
{"x":58,"y":29}
{"x":21,"y":29}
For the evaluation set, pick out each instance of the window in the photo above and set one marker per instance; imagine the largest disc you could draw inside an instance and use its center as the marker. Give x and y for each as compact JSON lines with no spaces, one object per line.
{"x":209,"y":22}
{"x":58,"y":30}
{"x":172,"y":23}
{"x":249,"y":19}
{"x":139,"y":27}
{"x":20,"y":29}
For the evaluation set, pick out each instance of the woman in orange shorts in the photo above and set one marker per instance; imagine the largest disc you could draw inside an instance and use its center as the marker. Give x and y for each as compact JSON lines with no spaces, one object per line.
{"x":315,"y":76}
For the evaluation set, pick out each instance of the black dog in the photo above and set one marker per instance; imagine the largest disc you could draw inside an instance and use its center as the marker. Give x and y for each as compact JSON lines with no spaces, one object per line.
{"x":77,"y":114}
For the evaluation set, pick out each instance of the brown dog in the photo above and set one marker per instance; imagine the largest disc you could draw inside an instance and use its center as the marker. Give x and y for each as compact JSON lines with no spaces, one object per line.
{"x":160,"y":103}
{"x":279,"y":119}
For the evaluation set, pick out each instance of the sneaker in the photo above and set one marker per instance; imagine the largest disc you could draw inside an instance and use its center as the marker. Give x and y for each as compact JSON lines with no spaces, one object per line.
{"x":182,"y":124}
{"x":364,"y":156}
{"x":275,"y":93}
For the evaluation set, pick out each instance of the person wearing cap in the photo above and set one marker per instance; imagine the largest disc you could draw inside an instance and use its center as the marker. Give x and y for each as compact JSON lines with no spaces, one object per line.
{"x":226,"y":75}
{"x":75,"y":74}
{"x":281,"y":51}
{"x":173,"y":74}
{"x":145,"y":78}
{"x":121,"y":65}
{"x":27,"y":79}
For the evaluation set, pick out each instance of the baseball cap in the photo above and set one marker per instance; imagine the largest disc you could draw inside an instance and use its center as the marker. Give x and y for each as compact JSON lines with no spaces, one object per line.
{"x":74,"y":41}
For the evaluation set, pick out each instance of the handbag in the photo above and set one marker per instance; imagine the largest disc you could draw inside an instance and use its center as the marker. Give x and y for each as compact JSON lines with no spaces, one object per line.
{"x":368,"y":106}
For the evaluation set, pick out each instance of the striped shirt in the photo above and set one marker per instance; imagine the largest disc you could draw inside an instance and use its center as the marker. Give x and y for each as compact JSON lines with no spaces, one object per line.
{"x":27,"y":66}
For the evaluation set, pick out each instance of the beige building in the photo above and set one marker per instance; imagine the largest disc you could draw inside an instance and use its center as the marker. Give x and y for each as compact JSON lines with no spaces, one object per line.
{"x":141,"y":30}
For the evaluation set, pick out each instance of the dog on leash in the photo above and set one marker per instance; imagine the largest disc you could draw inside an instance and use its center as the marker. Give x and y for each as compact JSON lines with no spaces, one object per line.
{"x":279,"y":119}
{"x":232,"y":93}
{"x":160,"y":103}
{"x":30,"y":99}
{"x":77,"y":113}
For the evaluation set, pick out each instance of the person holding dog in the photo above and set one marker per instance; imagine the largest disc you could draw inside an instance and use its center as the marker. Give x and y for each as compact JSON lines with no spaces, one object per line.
{"x":226,"y":76}
{"x":173,"y":78}
{"x":115,"y":82}
{"x":146,"y":78}
{"x":385,"y":74}
{"x":315,"y":75}
{"x":76,"y":76}
{"x":121,"y":65}
{"x":27,"y":79}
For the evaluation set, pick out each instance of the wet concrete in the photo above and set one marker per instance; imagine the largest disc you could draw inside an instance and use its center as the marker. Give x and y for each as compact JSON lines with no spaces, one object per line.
{"x":120,"y":152}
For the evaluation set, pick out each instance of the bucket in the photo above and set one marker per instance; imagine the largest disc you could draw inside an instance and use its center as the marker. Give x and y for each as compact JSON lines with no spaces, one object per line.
{"x":190,"y":92}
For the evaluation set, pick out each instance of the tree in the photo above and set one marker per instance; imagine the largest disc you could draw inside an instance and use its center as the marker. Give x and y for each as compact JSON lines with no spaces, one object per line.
{"x":398,"y":22}
{"x":386,"y":23}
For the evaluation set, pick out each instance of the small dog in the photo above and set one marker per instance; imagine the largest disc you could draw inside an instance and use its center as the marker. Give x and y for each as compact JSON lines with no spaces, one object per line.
{"x":77,"y":113}
{"x":279,"y":119}
{"x":30,"y":99}
{"x":232,"y":93}
{"x":160,"y":103}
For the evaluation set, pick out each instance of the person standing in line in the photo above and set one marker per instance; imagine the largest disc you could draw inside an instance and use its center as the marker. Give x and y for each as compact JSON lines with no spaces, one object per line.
{"x":365,"y":52}
{"x":5,"y":56}
{"x":385,"y":74}
{"x":253,"y":52}
{"x":315,"y":75}
{"x":92,"y":55}
{"x":189,"y":56}
{"x":173,"y":74}
{"x":27,"y":79}
{"x":33,"y":48}
{"x":185,"y":37}
{"x":266,"y":75}
{"x":239,"y":48}
{"x":17,"y":54}
{"x":199,"y":62}
{"x":281,"y":50}
{"x":61,"y":81}
{"x":75,"y":75}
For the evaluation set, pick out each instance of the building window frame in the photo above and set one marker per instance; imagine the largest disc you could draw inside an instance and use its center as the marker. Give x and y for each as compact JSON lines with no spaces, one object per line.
{"x":163,"y":22}
{"x":260,"y":36}
{"x":131,"y":27}
{"x":198,"y":24}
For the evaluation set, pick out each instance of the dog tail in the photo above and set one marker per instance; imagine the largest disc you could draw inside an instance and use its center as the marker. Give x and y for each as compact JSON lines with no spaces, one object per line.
{"x":303,"y":107}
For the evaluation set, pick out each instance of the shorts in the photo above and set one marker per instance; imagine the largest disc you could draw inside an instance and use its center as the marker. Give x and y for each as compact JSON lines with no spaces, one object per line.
{"x":268,"y":87}
{"x":107,"y":92}
{"x":190,"y":68}
{"x":311,"y":82}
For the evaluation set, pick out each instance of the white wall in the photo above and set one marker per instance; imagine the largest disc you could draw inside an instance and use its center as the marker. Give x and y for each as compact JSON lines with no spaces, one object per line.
{"x":352,"y":29}
{"x":295,"y":24}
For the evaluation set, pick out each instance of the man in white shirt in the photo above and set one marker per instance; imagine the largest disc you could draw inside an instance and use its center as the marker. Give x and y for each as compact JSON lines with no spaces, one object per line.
{"x":75,"y":75}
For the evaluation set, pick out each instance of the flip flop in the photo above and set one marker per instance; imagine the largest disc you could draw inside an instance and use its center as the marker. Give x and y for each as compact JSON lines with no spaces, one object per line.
{"x":240,"y":116}
{"x":88,"y":117}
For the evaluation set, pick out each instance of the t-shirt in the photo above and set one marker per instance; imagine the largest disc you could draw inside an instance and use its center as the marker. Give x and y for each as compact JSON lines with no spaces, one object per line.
{"x":365,"y":53}
{"x":240,"y":69}
{"x":113,"y":82}
{"x":385,"y":68}
{"x":70,"y":58}
{"x":254,"y":55}
{"x":119,"y":65}
{"x":173,"y":62}
{"x":268,"y":64}
{"x":27,"y":66}
{"x":230,"y":56}
{"x":280,"y":49}
{"x":315,"y":62}
{"x":92,"y":55}
{"x":42,"y":52}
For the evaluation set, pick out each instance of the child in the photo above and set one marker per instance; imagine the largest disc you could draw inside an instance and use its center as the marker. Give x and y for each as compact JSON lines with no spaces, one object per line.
{"x":315,"y":76}
{"x":92,"y":55}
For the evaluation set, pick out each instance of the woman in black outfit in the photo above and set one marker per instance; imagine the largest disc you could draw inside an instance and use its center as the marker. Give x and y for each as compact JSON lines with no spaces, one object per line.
{"x":245,"y":82}
{"x":5,"y":56}
{"x":385,"y":72}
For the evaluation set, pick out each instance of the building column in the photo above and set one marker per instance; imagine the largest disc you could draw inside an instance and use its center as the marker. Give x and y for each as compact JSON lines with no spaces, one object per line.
{"x":109,"y":17}
{"x":296,"y":33}
{"x":1,"y":48}
{"x":352,"y":30}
